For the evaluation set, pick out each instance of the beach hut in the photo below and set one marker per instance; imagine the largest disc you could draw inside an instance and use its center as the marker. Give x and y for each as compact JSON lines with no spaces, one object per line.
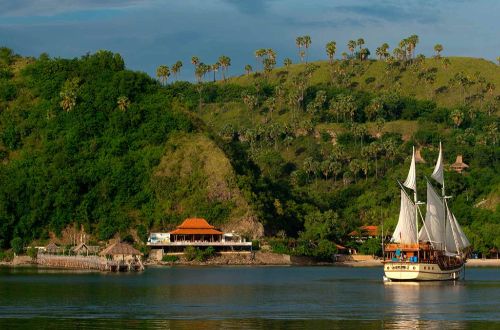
{"x":84,"y":249}
{"x":459,"y":166}
{"x":124,"y":255}
{"x":53,"y":248}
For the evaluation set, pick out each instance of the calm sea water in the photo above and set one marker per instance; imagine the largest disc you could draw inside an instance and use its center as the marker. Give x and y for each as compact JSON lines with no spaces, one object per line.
{"x":245,"y":297}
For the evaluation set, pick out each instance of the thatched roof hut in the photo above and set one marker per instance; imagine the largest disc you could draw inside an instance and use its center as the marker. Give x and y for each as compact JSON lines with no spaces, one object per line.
{"x":459,"y":165}
{"x":52,"y":248}
{"x":84,"y":249}
{"x":120,"y":249}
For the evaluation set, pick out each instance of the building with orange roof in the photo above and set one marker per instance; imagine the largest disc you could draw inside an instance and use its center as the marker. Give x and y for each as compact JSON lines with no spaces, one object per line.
{"x":366,"y":231}
{"x":196,"y":232}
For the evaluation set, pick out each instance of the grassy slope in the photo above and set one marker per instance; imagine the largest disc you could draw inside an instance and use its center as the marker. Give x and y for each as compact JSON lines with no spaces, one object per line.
{"x":195,"y":178}
{"x":410,"y":85}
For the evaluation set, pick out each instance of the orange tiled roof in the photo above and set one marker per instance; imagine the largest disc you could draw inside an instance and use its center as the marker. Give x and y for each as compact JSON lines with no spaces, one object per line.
{"x":195,"y":223}
{"x":188,"y":231}
{"x":367,"y":230}
{"x":195,"y":226}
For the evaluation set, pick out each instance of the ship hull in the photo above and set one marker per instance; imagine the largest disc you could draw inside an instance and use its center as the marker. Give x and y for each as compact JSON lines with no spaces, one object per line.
{"x":402,"y":271}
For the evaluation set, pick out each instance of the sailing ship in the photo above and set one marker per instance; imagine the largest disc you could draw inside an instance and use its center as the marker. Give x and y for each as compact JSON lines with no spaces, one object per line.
{"x":436,"y":252}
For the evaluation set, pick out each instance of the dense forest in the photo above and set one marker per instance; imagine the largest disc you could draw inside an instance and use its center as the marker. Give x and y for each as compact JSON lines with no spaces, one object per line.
{"x":308,"y":151}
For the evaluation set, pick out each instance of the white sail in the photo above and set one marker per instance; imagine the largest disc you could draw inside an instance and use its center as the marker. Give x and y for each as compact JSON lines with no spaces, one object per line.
{"x":405,"y":231}
{"x":411,"y":179}
{"x":456,"y":241}
{"x":434,"y":218}
{"x":438,"y":169}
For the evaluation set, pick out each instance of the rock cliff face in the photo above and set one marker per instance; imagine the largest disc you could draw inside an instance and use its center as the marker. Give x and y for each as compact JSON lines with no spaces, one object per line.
{"x":195,"y":179}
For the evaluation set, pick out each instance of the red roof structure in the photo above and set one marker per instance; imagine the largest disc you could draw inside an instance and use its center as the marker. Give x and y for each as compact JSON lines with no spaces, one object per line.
{"x":195,"y":226}
{"x":366,"y":231}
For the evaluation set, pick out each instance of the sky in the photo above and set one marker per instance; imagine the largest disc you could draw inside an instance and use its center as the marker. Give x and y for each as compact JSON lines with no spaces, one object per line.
{"x":148,"y":33}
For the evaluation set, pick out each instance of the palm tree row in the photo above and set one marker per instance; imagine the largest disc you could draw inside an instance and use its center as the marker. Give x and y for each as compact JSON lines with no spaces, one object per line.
{"x":163,"y":71}
{"x":267,"y":57}
{"x":201,"y":69}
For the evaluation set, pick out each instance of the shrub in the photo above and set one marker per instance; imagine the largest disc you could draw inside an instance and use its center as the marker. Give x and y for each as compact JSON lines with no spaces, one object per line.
{"x":255,"y":244}
{"x":32,"y":252}
{"x":6,"y":256}
{"x":369,"y":80}
{"x":203,"y":255}
{"x":371,"y":246}
{"x":169,"y":258}
{"x":17,"y":245}
{"x":190,"y":253}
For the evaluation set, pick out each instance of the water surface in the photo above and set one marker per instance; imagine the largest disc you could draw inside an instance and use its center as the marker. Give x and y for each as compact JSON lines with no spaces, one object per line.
{"x":244,"y":297}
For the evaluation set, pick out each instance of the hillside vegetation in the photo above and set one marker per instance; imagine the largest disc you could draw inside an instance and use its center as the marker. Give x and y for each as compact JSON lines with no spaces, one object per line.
{"x":449,"y":81}
{"x":305,"y":153}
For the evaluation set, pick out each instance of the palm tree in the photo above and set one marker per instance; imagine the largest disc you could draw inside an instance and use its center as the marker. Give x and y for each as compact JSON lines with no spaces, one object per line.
{"x":163,"y":72}
{"x":271,"y":105}
{"x":195,"y":60}
{"x":307,"y":44}
{"x":364,"y":53}
{"x":351,"y":45}
{"x":398,"y":53}
{"x":373,"y":108}
{"x":123,"y":103}
{"x":248,"y":69}
{"x":413,"y":41}
{"x":299,"y":42}
{"x":269,"y":64}
{"x":438,"y":48}
{"x":225,"y":62}
{"x":457,"y":116}
{"x":360,"y":42}
{"x":200,"y":71}
{"x":271,"y":53}
{"x":498,"y":60}
{"x":287,"y":62}
{"x":176,"y":68}
{"x":259,"y":55}
{"x":68,"y":100}
{"x":331,"y":48}
{"x":215,"y":68}
{"x":344,"y":55}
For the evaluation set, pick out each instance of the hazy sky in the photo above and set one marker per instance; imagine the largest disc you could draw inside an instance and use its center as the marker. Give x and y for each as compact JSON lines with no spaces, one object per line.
{"x":148,"y":33}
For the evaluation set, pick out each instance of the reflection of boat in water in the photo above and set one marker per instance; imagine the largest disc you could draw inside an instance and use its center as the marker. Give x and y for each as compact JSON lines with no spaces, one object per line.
{"x":437,"y":251}
{"x":421,"y":305}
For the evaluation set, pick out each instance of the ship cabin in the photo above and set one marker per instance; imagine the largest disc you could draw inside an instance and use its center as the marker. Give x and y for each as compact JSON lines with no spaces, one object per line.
{"x":419,"y":252}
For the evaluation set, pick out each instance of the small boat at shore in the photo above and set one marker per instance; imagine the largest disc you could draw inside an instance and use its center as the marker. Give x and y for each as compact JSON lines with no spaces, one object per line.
{"x":436,"y":252}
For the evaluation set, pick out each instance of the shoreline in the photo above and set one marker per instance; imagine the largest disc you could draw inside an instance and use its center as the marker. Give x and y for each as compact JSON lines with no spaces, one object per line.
{"x":265,"y":259}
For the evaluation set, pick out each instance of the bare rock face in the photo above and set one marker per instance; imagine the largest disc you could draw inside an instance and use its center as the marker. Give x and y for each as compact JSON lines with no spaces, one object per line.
{"x":247,"y":226}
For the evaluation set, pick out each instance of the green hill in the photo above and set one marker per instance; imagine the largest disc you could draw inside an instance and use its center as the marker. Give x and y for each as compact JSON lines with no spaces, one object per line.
{"x":295,"y":154}
{"x":430,"y":78}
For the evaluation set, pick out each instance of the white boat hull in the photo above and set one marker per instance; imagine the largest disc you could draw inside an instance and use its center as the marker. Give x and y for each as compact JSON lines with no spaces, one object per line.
{"x":404,"y":271}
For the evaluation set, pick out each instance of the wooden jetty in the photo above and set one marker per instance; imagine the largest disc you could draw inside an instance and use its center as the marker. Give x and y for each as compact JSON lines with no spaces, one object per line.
{"x":88,"y":262}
